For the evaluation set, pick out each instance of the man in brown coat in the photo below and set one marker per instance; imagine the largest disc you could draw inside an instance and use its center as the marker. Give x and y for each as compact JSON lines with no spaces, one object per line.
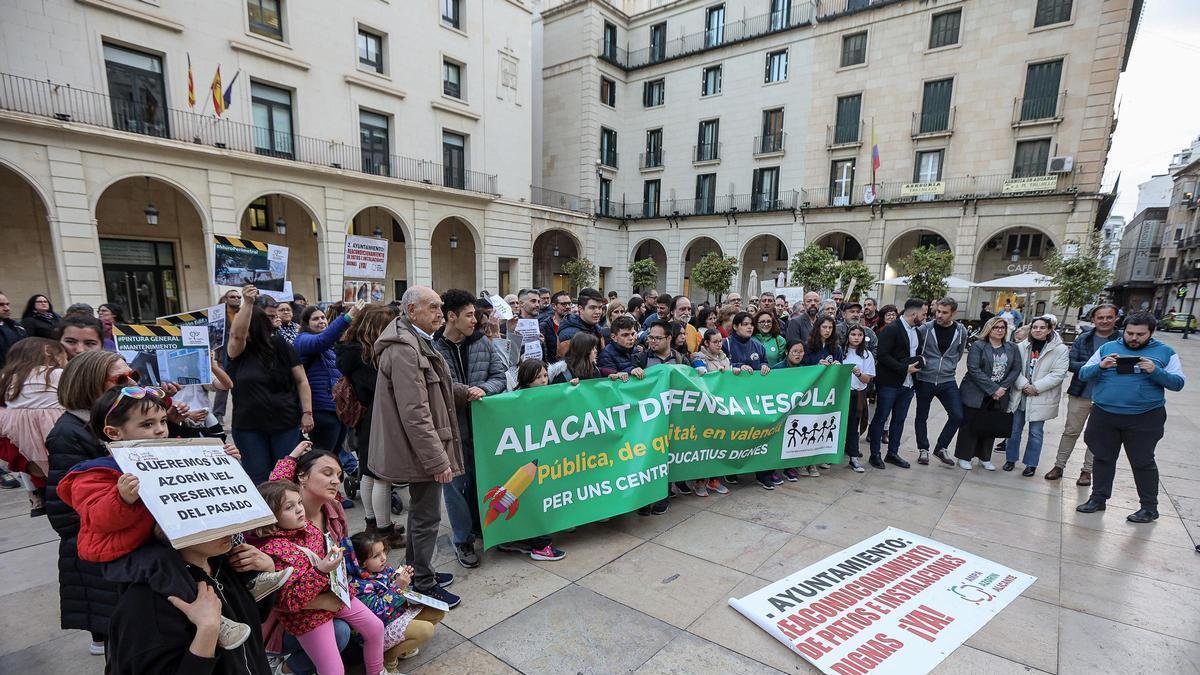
{"x":414,"y":430}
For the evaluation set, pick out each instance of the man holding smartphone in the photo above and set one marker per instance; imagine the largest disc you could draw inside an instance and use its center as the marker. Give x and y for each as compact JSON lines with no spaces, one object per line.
{"x":1131,"y":376}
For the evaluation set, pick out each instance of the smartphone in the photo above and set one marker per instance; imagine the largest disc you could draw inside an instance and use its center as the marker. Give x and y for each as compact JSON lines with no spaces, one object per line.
{"x":1126,"y":364}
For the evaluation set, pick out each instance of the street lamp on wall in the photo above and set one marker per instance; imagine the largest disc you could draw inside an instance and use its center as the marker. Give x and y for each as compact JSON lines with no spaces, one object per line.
{"x":281,"y":226}
{"x":453,"y":241}
{"x":554,"y":251}
{"x":378,"y":231}
{"x":1015,"y":255}
{"x":765,"y":256}
{"x":151,"y":214}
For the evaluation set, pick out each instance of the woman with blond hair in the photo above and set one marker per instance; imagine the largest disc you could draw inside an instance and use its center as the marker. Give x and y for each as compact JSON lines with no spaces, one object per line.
{"x":993,"y":365}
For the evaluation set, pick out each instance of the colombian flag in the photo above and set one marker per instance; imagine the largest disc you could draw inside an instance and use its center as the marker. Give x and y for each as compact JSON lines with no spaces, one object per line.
{"x":191,"y":84}
{"x":218,"y":97}
{"x":874,"y":149}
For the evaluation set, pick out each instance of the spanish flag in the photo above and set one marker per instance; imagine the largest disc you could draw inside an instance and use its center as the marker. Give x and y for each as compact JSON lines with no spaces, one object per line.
{"x":191,"y":84}
{"x":218,"y":97}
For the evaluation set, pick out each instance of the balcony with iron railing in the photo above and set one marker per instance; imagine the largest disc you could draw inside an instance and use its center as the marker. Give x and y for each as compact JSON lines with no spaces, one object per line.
{"x":650,"y":161}
{"x":62,"y":102}
{"x":608,"y":158}
{"x":706,"y":152}
{"x":714,"y":205}
{"x":844,"y":135}
{"x":1039,"y":110}
{"x":932,"y":124}
{"x":770,"y":144}
{"x":559,"y":200}
{"x":800,"y":14}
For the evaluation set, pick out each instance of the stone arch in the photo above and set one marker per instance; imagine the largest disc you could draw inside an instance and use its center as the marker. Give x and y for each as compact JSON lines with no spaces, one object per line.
{"x":904,"y":242}
{"x":774,"y":249}
{"x":1010,"y":250}
{"x":651,"y":247}
{"x":703,"y":245}
{"x":454,"y":254}
{"x":847,"y":245}
{"x":29,"y":236}
{"x":192,"y":197}
{"x":400,"y":263}
{"x":551,"y":248}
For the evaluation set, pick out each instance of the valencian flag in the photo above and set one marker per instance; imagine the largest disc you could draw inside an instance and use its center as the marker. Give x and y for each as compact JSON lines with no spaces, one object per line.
{"x":191,"y":84}
{"x":218,"y":98}
{"x":227,"y":99}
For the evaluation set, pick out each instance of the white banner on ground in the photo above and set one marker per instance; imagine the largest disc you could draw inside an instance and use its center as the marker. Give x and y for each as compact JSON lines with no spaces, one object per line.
{"x":893,"y":603}
{"x":195,"y":491}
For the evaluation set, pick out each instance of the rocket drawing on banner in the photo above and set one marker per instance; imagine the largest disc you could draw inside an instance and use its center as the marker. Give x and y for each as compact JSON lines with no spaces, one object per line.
{"x":505,"y":499}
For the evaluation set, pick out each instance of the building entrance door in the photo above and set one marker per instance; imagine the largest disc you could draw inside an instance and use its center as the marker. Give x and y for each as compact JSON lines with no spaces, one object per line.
{"x":140,"y":276}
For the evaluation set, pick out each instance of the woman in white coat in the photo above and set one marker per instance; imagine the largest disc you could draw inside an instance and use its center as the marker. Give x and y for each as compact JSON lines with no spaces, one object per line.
{"x":1037,"y":391}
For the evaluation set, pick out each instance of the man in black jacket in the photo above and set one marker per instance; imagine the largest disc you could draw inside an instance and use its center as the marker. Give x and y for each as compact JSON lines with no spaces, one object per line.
{"x":10,"y":331}
{"x":560,"y":307}
{"x":899,"y":346}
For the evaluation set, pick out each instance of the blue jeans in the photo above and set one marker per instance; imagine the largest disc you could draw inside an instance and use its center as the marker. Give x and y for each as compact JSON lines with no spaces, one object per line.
{"x":329,"y":434}
{"x":261,"y":449}
{"x":947,"y":393}
{"x":893,"y":401}
{"x":299,"y":662}
{"x":462,"y":504}
{"x":1033,"y":448}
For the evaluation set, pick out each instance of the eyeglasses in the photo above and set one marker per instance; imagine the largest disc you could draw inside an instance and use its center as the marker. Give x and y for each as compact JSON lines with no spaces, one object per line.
{"x":656,"y":338}
{"x":765,"y":322}
{"x":134,"y":393}
{"x":131,"y":375}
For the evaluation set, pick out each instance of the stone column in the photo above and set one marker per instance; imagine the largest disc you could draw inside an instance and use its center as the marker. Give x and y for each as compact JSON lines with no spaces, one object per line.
{"x":73,"y":232}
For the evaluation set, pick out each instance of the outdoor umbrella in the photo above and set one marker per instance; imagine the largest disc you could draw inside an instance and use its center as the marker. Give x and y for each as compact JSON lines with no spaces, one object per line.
{"x":1026,"y":280}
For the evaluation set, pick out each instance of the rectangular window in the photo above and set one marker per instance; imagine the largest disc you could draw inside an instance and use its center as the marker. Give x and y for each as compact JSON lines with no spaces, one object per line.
{"x":706,"y":193}
{"x":841,"y":182}
{"x":1041,"y":90}
{"x":608,"y":92}
{"x":854,"y":49}
{"x":137,"y":93}
{"x":1031,"y":158}
{"x":1051,"y":12}
{"x":935,"y":106}
{"x":259,"y":213}
{"x":452,"y":79}
{"x":714,"y":26}
{"x":777,"y":66}
{"x":272,"y":113}
{"x":266,"y":18}
{"x":765,"y":195}
{"x":605,"y":197}
{"x":849,"y":109}
{"x":373,"y":137}
{"x":772,"y":131}
{"x":781,"y":11}
{"x":452,"y":13}
{"x":708,"y":141}
{"x":370,"y":50}
{"x":928,"y":166}
{"x":653,"y":156}
{"x":651,"y":190}
{"x":653,"y":93}
{"x":711,"y":81}
{"x":608,"y":147}
{"x":454,"y":159}
{"x":658,"y":42}
{"x":943,"y":30}
{"x":610,"y":41}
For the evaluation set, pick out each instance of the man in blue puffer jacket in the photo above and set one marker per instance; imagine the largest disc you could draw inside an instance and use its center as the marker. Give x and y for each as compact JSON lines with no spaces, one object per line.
{"x":1129,"y":408}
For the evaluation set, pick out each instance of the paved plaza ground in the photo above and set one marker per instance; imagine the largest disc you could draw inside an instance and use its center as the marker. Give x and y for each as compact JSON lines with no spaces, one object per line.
{"x":648,"y":594}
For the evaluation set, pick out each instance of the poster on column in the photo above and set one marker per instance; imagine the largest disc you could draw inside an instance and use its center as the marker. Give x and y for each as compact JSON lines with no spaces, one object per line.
{"x":245,"y":261}
{"x":195,"y":491}
{"x":178,"y":354}
{"x":366,"y":258}
{"x":894,"y":603}
{"x":559,"y":456}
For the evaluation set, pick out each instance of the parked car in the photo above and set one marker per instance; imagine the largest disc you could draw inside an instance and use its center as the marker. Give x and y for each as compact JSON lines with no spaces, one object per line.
{"x":1177,"y":321}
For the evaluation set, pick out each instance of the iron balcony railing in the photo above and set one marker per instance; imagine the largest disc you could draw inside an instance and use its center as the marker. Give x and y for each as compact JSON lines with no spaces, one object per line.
{"x":714,"y":205}
{"x":770,"y":143}
{"x":650,"y":160}
{"x":1038,"y":109}
{"x":939,"y":122}
{"x":801,"y":13}
{"x":559,"y":200}
{"x":844,"y":134}
{"x":608,"y":157}
{"x":79,"y":106}
{"x":706,"y":152}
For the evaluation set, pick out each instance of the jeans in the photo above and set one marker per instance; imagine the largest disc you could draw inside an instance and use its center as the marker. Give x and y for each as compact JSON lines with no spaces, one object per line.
{"x":1033,"y":448}
{"x":299,"y":662}
{"x":893,"y":401}
{"x":1107,"y":432}
{"x":328,"y":433}
{"x":1078,"y":409}
{"x":462,"y":506}
{"x":261,"y":449}
{"x":947,"y":393}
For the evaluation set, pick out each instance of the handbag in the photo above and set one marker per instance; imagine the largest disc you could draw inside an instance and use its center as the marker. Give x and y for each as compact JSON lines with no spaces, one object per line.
{"x":992,"y":421}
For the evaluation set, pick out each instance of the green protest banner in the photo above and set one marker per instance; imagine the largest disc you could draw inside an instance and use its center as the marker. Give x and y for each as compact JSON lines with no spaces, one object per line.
{"x":551,"y":458}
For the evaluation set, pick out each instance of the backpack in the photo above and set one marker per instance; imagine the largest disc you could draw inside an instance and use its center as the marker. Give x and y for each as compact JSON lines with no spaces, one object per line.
{"x":349,"y":409}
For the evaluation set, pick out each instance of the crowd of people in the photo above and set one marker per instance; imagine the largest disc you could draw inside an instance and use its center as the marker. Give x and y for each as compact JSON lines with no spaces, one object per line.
{"x":321,"y":395}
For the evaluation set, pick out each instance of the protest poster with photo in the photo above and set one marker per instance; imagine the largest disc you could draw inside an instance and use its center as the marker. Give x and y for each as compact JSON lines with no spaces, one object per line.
{"x":367,"y":291}
{"x":531,"y":338}
{"x":178,"y":354}
{"x":195,"y":491}
{"x":212,"y":318}
{"x":244,"y":261}
{"x":366,"y":258}
{"x":893,"y":603}
{"x":551,"y":458}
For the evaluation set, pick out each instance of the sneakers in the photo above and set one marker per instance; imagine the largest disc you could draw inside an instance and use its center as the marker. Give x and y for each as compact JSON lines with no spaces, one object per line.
{"x":266,"y":583}
{"x":347,"y":503}
{"x":444,"y":579}
{"x":964,"y":464}
{"x":791,"y":475}
{"x":96,"y":649}
{"x":1008,"y":466}
{"x":7,"y":482}
{"x":941,"y":455}
{"x":548,"y":553}
{"x":766,"y":483}
{"x":700,"y":489}
{"x":660,"y":507}
{"x":810,"y":472}
{"x":409,"y":654}
{"x":467,"y":557}
{"x":989,"y":466}
{"x":232,"y":634}
{"x":824,"y":467}
{"x":439,"y":593}
{"x":732,"y":480}
{"x":715,"y":485}
{"x":855,"y":466}
{"x":681,"y":487}
{"x":776,"y":478}
{"x":923,"y":457}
